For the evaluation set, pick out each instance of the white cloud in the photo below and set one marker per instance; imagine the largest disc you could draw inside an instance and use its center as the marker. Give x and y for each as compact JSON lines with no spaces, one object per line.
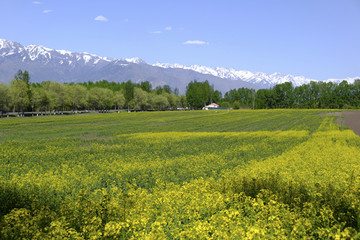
{"x":168,"y":28}
{"x":101,"y":18}
{"x":126,"y":20}
{"x":156,"y":32}
{"x":36,"y":2}
{"x":47,"y":11}
{"x":195,"y":42}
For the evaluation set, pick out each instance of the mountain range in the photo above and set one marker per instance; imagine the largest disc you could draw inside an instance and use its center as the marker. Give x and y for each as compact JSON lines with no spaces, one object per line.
{"x":45,"y":64}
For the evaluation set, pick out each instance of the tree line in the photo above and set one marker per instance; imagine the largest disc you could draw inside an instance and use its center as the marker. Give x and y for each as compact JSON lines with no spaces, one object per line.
{"x":22,"y":95}
{"x":323,"y":95}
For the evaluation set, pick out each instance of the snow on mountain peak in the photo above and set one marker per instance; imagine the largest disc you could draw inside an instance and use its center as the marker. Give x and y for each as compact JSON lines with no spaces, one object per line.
{"x":135,"y":60}
{"x":64,"y":52}
{"x":33,"y":47}
{"x":47,"y":55}
{"x":8,"y":44}
{"x":34,"y":52}
{"x":8,"y":48}
{"x":260,"y":78}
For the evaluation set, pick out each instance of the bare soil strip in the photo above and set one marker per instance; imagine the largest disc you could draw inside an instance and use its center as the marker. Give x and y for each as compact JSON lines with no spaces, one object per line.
{"x":352,"y":119}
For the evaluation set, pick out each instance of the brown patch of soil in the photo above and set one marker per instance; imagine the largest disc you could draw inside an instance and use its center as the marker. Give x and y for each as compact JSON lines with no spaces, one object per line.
{"x":340,"y":121}
{"x":352,"y":119}
{"x":338,"y":114}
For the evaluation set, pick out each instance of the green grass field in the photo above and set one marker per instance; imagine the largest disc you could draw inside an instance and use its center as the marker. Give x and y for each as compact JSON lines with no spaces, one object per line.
{"x":275,"y":174}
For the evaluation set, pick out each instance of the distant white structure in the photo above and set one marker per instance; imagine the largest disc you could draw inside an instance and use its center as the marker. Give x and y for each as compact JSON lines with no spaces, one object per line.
{"x":211,"y":106}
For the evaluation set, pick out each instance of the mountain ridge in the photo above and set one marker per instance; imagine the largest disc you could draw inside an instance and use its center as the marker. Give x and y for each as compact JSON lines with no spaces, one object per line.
{"x":65,"y":66}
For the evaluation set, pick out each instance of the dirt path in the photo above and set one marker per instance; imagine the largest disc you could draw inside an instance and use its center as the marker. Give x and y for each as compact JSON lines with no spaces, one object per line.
{"x":352,"y":119}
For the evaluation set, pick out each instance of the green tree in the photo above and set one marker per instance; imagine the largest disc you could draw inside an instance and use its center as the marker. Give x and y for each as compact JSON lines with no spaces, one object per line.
{"x":128,"y":93}
{"x":19,"y":95}
{"x":182,"y":101}
{"x":23,"y":76}
{"x":283,"y":95}
{"x":40,"y":100}
{"x":78,"y":96}
{"x":146,"y":86}
{"x":4,"y":98}
{"x":100,"y":98}
{"x":160,"y":102}
{"x":141,"y":99}
{"x":327,"y":98}
{"x":356,"y":93}
{"x":172,"y":100}
{"x":314,"y":93}
{"x":264,"y":99}
{"x":119,"y":100}
{"x":167,"y":89}
{"x":198,"y":94}
{"x":236,"y":105}
{"x":217,"y":96}
{"x":159,"y":90}
{"x":225,"y":104}
{"x":343,"y":95}
{"x":60,"y":94}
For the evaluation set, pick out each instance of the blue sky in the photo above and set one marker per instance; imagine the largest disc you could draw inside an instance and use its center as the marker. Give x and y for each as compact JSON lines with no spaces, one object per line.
{"x":318,"y":39}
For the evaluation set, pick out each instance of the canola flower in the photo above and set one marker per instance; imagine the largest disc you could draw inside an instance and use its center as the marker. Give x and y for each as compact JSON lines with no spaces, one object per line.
{"x":281,"y":174}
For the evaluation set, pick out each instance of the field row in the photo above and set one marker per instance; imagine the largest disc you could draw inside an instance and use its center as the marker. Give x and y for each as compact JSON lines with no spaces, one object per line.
{"x":109,"y":125}
{"x":300,"y":181}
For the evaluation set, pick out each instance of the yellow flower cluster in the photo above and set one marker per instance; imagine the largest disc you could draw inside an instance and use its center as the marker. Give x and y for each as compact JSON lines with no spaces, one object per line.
{"x":279,"y":176}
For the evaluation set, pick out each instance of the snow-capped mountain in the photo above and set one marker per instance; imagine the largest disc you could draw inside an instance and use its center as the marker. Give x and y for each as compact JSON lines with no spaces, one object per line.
{"x":47,"y":55}
{"x":260,"y":79}
{"x":135,"y":60}
{"x":45,"y":64}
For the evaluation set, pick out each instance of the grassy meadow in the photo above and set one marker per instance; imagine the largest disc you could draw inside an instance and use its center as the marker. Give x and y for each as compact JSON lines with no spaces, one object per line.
{"x":241,"y":174}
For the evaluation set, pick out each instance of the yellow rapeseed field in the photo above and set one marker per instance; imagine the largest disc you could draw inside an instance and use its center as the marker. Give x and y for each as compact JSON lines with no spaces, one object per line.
{"x":267,"y":174}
